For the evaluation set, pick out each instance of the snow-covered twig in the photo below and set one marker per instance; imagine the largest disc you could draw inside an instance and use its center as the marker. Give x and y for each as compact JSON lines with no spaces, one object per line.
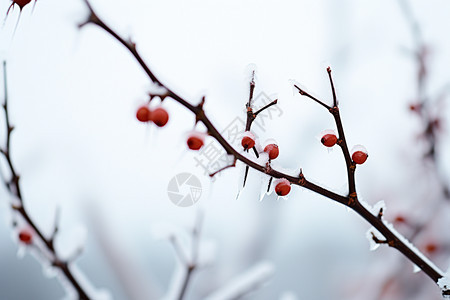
{"x":244,"y":283}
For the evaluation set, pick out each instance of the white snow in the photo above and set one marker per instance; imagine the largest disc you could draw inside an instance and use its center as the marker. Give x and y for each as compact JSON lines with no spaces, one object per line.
{"x":372,"y":244}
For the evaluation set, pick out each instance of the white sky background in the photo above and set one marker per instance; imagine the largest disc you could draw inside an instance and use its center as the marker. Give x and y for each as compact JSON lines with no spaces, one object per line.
{"x":73,"y":96}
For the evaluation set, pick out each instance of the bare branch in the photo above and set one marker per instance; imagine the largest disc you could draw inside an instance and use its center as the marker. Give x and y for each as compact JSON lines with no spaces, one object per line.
{"x":335,"y":104}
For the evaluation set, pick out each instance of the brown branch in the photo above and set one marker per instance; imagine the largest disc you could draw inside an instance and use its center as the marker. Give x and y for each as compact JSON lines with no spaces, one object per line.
{"x":350,"y":200}
{"x":13,"y":187}
{"x":266,"y":107}
{"x":332,"y":87}
{"x":377,"y":240}
{"x":224,"y":168}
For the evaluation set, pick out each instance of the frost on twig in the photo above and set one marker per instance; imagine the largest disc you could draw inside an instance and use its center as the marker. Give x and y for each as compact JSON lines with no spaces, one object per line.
{"x":193,"y":255}
{"x":244,"y":283}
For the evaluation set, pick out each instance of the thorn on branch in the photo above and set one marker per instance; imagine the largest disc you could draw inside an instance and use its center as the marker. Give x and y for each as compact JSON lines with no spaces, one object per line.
{"x":265,"y":107}
{"x":301,"y":178}
{"x":202,"y":102}
{"x":245,"y":175}
{"x":377,"y":240}
{"x":131,"y":44}
{"x":380,"y":214}
{"x":92,"y":19}
{"x":256,"y":152}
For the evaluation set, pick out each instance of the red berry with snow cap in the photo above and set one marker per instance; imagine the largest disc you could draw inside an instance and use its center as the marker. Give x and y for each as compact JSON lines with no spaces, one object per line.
{"x":143,"y":114}
{"x":272,"y":150}
{"x":282,"y":187}
{"x":329,"y":138}
{"x":160,"y":116}
{"x":359,"y":154}
{"x":248,"y":140}
{"x":195,"y":140}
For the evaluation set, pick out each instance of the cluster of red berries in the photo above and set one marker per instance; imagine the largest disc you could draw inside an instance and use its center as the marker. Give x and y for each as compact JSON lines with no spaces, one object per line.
{"x":196,"y":140}
{"x":282,"y":185}
{"x":359,"y":153}
{"x":159,"y":115}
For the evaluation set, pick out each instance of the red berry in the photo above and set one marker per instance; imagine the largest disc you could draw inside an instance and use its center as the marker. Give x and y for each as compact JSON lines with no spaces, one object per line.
{"x":359,"y":154}
{"x":195,"y":141}
{"x":272,"y":150}
{"x":248,"y":141}
{"x":160,"y":116}
{"x":143,"y":114}
{"x":431,"y":248}
{"x":25,"y":236}
{"x":415,"y":107}
{"x":329,"y":140}
{"x":282,"y":187}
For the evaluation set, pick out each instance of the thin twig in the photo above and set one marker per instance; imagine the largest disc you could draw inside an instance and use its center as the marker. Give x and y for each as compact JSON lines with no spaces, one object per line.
{"x":332,"y":87}
{"x":224,"y":168}
{"x":304,"y":93}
